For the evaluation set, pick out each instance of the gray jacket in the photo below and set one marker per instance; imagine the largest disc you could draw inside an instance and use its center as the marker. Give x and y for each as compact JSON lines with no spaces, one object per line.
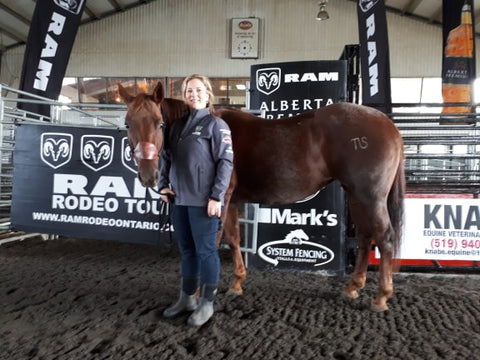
{"x":197,"y":160}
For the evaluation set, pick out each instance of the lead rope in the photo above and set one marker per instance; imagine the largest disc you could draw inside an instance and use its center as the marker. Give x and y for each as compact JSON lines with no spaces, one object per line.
{"x":165,"y":217}
{"x":166,"y":220}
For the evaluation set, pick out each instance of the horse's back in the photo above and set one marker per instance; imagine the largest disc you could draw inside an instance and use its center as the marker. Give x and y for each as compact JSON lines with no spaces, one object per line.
{"x":281,"y":161}
{"x":362,"y":147}
{"x":356,"y":121}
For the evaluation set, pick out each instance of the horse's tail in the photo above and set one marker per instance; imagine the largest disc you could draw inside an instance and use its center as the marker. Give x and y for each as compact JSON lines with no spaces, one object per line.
{"x":396,"y":206}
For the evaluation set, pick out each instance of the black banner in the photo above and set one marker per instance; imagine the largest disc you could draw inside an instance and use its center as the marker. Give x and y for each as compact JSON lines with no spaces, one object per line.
{"x":307,"y":235}
{"x":458,"y":62}
{"x":290,"y":88}
{"x":50,"y":40}
{"x":82,"y":182}
{"x":374,"y":54}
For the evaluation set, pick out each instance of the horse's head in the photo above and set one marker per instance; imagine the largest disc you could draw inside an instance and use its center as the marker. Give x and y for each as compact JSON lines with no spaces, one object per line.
{"x":145,"y":131}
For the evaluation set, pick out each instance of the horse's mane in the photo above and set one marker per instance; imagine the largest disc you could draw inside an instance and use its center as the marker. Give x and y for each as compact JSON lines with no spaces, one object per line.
{"x":173,"y":109}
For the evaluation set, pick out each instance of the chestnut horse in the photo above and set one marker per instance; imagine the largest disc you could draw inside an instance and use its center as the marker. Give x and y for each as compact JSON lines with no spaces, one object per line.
{"x":356,"y":145}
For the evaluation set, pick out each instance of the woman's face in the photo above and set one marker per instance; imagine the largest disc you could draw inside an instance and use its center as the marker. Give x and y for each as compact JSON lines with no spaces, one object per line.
{"x":196,"y":95}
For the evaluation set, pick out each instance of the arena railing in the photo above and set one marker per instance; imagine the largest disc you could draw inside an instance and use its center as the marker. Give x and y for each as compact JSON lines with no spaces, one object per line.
{"x":442,"y":151}
{"x":11,"y":114}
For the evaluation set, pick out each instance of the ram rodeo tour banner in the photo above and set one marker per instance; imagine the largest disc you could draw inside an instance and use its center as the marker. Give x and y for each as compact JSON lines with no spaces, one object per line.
{"x":81,"y":182}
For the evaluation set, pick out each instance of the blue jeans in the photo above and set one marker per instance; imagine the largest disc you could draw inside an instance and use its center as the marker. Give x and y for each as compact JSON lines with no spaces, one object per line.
{"x":196,"y":235}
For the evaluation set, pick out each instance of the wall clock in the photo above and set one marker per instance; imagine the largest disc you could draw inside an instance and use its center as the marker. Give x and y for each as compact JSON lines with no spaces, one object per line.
{"x":244,"y":38}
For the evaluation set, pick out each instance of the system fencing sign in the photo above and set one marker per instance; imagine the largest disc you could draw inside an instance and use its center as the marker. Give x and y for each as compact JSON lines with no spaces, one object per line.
{"x":81,"y":182}
{"x":307,"y":235}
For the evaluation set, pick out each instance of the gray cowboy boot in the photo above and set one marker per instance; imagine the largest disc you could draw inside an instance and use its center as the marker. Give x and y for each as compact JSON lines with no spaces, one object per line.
{"x":187,"y":300}
{"x":204,"y":310}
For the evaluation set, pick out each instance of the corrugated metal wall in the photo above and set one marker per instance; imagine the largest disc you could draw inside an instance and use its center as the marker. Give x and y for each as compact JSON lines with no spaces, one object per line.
{"x":179,"y":37}
{"x":174,"y":38}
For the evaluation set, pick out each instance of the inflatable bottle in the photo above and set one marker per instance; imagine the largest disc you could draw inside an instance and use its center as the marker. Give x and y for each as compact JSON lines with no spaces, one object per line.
{"x":458,"y":55}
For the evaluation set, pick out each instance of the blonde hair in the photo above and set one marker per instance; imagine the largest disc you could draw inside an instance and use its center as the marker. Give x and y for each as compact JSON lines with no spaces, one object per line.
{"x":205,"y":81}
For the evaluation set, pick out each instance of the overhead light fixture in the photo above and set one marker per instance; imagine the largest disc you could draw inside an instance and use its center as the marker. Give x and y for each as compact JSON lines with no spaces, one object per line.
{"x":322,"y":13}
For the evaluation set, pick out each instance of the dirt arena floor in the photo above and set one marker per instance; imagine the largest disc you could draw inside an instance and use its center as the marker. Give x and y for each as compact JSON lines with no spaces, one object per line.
{"x":83,"y":299}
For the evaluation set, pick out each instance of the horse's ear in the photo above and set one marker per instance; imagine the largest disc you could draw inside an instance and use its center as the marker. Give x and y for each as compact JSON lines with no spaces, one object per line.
{"x":126,"y":97}
{"x":158,"y":93}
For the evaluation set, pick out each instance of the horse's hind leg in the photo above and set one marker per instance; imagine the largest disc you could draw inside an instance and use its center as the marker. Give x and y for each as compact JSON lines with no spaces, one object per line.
{"x":359,"y":276}
{"x":372,"y":224}
{"x":364,"y":239}
{"x":385,"y":288}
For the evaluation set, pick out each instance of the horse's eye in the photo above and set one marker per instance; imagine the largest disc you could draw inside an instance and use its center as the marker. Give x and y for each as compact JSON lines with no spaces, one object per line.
{"x":162,"y":125}
{"x":127,"y":126}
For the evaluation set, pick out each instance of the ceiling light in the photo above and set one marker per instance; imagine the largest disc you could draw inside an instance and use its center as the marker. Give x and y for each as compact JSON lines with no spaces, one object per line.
{"x":322,"y":13}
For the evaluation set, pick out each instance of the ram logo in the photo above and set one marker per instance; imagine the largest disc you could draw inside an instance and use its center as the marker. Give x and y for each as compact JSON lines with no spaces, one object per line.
{"x":73,"y":6}
{"x":56,"y":149}
{"x":97,"y":151}
{"x":366,"y":5}
{"x":268,"y":80}
{"x":128,"y":160}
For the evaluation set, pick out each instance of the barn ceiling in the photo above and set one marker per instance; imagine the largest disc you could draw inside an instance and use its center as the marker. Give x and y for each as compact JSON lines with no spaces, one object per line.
{"x":15,"y":15}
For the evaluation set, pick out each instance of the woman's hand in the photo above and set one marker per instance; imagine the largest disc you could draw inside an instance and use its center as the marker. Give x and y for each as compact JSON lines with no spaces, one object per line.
{"x":214,"y":208}
{"x":166,"y":194}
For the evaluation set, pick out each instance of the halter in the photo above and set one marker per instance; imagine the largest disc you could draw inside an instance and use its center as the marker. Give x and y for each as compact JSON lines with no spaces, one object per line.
{"x":145,"y":151}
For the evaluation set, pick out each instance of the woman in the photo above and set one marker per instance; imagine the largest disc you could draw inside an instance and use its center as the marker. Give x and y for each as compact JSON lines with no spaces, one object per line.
{"x":196,"y":168}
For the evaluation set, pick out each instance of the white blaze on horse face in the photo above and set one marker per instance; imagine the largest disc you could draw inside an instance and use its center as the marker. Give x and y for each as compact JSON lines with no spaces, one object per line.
{"x":196,"y":95}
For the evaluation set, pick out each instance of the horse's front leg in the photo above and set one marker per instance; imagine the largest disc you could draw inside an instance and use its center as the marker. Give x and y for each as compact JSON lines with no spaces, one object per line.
{"x":231,"y":229}
{"x":385,"y":287}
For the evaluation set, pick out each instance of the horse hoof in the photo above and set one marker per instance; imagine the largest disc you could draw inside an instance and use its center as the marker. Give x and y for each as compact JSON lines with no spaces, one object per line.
{"x":234,"y":292}
{"x":351,"y":294}
{"x":379,"y":307}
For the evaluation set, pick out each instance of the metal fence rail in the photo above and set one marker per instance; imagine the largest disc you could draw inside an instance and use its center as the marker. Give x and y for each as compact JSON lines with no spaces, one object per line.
{"x":105,"y":116}
{"x":442,"y":154}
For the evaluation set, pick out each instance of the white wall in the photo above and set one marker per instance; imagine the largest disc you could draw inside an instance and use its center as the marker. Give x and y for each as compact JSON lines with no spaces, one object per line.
{"x":179,"y":37}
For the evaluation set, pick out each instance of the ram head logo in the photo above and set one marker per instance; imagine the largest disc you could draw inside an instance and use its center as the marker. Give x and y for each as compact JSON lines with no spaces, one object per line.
{"x":56,"y":149}
{"x":268,"y":80}
{"x":366,"y":5}
{"x":97,"y":151}
{"x":128,"y":160}
{"x":73,"y":6}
